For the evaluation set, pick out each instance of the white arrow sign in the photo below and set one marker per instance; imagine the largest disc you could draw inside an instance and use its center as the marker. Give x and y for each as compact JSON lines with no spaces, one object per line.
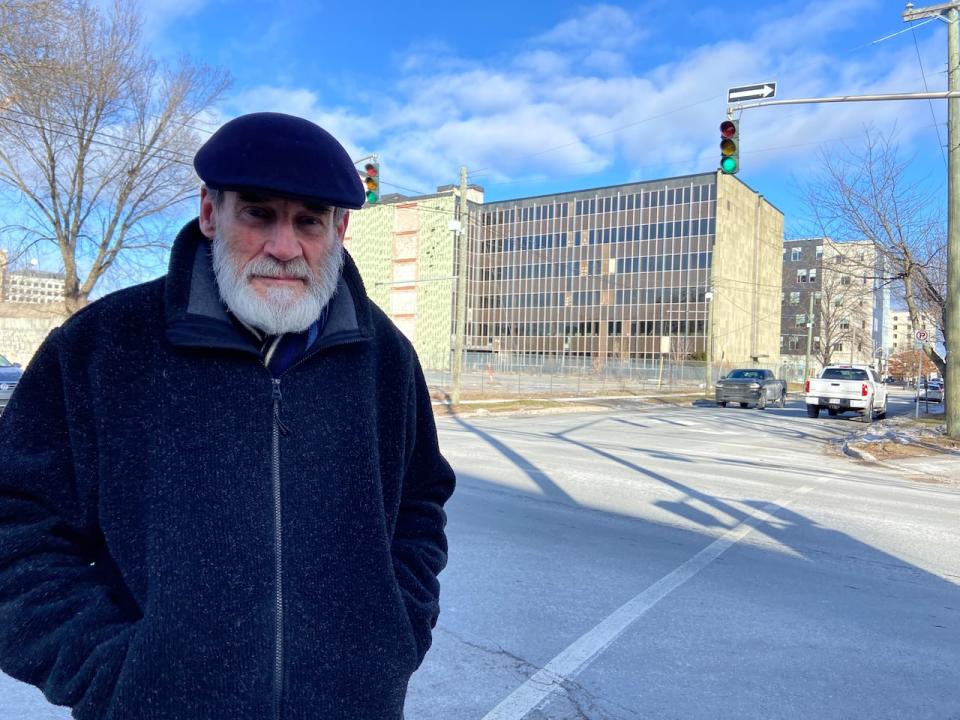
{"x":759,"y":91}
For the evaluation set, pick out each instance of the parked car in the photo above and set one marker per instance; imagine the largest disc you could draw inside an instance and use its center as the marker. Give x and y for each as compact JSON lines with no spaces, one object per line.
{"x":9,"y":377}
{"x":931,"y":392}
{"x":847,"y":388}
{"x":751,"y":386}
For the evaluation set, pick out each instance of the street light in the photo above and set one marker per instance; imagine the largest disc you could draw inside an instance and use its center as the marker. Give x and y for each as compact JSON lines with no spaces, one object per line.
{"x":709,"y":369}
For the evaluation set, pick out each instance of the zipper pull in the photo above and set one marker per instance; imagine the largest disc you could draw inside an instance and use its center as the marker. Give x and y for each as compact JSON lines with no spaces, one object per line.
{"x":277,"y":399}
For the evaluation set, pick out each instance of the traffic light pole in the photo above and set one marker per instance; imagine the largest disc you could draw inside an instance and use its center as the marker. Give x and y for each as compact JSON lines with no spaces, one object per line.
{"x":939,"y":95}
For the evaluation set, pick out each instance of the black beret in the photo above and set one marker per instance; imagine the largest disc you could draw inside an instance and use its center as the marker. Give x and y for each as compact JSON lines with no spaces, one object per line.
{"x":282,"y":155}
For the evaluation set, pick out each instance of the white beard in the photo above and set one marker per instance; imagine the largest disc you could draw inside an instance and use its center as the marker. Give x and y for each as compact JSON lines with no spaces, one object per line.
{"x":281,"y":311}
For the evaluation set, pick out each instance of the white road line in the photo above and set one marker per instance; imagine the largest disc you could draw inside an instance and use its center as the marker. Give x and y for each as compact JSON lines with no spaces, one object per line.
{"x":585,"y":649}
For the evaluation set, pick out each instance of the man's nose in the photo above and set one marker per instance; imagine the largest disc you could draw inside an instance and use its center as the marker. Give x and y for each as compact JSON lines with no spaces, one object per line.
{"x":283,"y":244}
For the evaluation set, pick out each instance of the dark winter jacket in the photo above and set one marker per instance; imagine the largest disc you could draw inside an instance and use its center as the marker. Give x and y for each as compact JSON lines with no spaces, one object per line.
{"x":184,"y":538}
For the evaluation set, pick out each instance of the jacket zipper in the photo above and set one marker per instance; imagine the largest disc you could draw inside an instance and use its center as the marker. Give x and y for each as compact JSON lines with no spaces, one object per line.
{"x":278,"y":426}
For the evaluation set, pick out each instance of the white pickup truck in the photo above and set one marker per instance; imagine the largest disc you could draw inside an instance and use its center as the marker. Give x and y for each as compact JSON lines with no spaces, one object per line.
{"x":847,"y":388}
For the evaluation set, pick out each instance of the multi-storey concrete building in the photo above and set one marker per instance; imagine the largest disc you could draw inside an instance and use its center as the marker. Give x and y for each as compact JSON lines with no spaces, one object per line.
{"x":901,"y":333}
{"x":620,"y":273}
{"x":34,"y":286}
{"x":841,"y":288}
{"x":624,"y":272}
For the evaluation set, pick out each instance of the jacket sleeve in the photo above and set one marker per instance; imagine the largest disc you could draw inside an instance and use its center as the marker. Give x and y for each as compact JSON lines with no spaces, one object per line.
{"x":61,"y":629}
{"x":419,"y":543}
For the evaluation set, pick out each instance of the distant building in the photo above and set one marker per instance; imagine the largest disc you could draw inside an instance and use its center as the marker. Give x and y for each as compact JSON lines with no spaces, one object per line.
{"x":619,"y":273}
{"x":33,"y":286}
{"x":901,"y":333}
{"x":851,"y":301}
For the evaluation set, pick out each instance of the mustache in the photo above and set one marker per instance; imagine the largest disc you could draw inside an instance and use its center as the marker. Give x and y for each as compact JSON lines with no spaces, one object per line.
{"x":296,"y":268}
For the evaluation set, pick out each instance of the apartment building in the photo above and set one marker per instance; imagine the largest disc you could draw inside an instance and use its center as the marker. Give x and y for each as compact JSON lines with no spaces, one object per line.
{"x":33,"y":286}
{"x":840,"y":293}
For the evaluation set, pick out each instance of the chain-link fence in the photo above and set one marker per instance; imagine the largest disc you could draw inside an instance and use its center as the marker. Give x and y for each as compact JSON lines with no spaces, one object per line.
{"x":513,"y":374}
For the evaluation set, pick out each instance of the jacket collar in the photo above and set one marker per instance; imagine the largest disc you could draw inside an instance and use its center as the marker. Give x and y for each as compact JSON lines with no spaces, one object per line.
{"x":197,"y":317}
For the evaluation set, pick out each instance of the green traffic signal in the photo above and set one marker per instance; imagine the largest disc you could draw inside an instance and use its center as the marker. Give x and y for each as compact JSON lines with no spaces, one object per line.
{"x":372,"y":182}
{"x":729,"y":147}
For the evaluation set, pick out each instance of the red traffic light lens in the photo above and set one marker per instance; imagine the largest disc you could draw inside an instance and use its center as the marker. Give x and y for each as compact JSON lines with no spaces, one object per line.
{"x":371,"y":169}
{"x":728,"y":129}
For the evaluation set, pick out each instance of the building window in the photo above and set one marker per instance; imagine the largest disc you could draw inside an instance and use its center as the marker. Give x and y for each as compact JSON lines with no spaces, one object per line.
{"x":801,"y":276}
{"x":813,"y":275}
{"x":795,"y":254}
{"x":794,"y":298}
{"x":801,"y":320}
{"x":845,"y":280}
{"x":819,"y":250}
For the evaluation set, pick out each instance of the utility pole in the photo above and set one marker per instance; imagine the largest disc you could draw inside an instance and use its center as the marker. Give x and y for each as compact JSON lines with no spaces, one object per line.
{"x":462,"y":237}
{"x":948,"y":12}
{"x":951,"y":387}
{"x":806,"y":361}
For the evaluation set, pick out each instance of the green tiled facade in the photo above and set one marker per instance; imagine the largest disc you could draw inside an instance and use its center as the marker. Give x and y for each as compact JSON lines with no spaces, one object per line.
{"x":405,"y":253}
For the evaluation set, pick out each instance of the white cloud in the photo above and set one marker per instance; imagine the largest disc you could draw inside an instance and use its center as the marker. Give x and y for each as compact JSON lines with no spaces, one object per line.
{"x":604,"y":26}
{"x":159,"y":14}
{"x":571,"y":106}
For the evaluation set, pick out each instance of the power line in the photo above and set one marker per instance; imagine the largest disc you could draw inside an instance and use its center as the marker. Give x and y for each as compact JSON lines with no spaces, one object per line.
{"x":891,"y":35}
{"x":926,"y":89}
{"x":130,"y":145}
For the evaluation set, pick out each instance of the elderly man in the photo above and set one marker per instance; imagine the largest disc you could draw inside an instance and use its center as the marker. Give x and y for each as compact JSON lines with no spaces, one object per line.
{"x":221,"y":495}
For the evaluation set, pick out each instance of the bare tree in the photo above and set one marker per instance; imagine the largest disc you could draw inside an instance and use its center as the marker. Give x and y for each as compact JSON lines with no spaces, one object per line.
{"x":867,"y":194}
{"x":96,"y":136}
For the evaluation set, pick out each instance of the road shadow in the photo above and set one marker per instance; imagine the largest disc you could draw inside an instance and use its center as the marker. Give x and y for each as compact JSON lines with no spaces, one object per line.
{"x":529,"y":576}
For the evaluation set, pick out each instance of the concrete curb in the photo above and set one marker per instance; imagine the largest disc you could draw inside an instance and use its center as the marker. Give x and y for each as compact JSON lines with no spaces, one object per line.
{"x":861,"y":455}
{"x":483,"y":412}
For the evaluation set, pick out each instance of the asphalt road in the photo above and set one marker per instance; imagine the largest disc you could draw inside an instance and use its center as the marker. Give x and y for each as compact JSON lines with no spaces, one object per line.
{"x":690,"y":563}
{"x":682,"y":563}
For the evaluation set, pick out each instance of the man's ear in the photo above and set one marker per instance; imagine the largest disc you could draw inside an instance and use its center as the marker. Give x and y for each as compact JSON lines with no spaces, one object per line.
{"x":208,"y":214}
{"x":342,"y":225}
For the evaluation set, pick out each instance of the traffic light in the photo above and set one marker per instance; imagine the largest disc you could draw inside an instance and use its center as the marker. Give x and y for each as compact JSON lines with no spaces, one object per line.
{"x":730,"y":147}
{"x":372,"y":182}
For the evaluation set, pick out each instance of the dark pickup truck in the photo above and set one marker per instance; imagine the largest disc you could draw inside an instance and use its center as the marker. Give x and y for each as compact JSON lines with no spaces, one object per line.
{"x":751,"y":386}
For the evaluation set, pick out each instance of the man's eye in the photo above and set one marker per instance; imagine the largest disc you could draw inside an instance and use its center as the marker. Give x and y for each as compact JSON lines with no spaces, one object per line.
{"x":257,"y":212}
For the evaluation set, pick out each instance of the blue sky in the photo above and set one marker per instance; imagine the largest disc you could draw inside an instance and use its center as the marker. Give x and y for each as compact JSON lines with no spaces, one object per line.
{"x":537,"y":97}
